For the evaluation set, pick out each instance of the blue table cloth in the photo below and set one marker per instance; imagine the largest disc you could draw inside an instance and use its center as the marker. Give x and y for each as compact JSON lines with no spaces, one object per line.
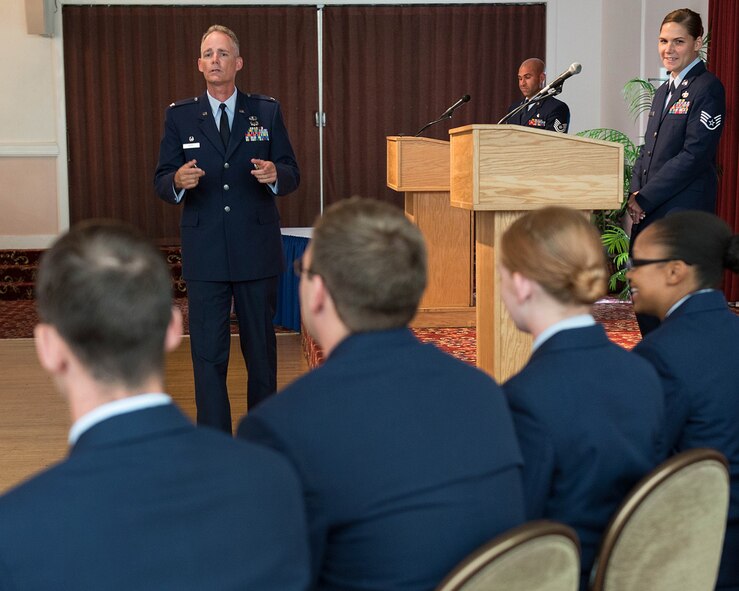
{"x":294,"y":243}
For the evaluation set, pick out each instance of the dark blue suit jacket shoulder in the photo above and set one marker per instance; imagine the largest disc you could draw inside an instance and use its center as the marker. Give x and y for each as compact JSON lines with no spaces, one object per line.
{"x":230,"y":224}
{"x":147,"y":501}
{"x":586,"y":439}
{"x":407,"y":458}
{"x":695,"y":351}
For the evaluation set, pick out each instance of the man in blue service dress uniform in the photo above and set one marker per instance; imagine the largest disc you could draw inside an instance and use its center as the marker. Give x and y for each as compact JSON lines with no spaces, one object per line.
{"x":225,"y":155}
{"x":407,"y":457}
{"x":550,"y":114}
{"x":144,"y":500}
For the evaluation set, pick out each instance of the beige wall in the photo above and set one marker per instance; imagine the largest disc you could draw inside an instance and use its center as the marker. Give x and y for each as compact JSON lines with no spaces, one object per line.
{"x":29,"y":213}
{"x":614,"y":40}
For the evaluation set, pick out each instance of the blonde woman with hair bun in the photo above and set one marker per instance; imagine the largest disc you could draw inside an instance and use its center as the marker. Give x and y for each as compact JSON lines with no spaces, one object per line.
{"x":586,"y":439}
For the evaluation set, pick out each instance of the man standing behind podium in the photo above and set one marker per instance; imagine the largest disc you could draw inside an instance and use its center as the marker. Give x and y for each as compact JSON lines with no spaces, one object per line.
{"x":549,"y":113}
{"x":225,"y":155}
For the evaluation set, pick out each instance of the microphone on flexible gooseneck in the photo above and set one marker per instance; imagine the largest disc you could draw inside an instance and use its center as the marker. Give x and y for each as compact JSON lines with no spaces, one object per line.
{"x":455,"y":106}
{"x":447,"y":114}
{"x":574,"y":68}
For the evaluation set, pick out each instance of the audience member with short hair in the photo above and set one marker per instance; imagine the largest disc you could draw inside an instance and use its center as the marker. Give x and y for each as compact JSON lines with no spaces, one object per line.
{"x":676,"y":270}
{"x":144,"y":500}
{"x":407,"y":456}
{"x":588,"y":414}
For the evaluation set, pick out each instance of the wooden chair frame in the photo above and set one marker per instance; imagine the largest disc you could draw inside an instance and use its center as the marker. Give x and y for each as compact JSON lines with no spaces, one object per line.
{"x":638,"y":495}
{"x":501,"y":545}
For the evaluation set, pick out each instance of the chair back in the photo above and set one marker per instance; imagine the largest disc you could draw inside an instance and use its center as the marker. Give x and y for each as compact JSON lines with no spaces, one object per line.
{"x":540,"y":556}
{"x":668,"y":533}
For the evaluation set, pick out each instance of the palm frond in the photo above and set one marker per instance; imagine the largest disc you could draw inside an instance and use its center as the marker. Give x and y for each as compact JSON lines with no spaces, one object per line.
{"x":611,"y":135}
{"x":616,"y":241}
{"x":638,"y":94}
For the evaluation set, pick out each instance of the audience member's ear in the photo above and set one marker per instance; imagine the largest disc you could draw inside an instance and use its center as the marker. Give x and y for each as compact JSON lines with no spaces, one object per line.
{"x":677,"y":272}
{"x":316,"y":295}
{"x":51,"y":349}
{"x":523,"y":287}
{"x":173,"y":336}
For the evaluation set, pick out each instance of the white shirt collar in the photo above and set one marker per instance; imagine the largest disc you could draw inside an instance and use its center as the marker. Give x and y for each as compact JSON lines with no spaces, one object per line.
{"x":579,"y":321}
{"x":683,"y":299}
{"x":115,"y":408}
{"x":680,"y":77}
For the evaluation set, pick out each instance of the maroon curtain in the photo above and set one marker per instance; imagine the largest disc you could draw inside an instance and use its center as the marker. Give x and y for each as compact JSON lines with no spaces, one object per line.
{"x":723,"y":23}
{"x":125,"y":64}
{"x":388,"y":70}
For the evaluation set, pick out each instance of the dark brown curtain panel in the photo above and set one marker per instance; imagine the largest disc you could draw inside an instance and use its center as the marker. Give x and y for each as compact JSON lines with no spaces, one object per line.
{"x":390,"y":69}
{"x":125,"y":64}
{"x":723,"y":53}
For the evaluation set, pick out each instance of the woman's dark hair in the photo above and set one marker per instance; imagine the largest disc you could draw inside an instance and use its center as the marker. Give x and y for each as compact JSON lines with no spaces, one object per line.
{"x":702,"y":240}
{"x":688,"y":19}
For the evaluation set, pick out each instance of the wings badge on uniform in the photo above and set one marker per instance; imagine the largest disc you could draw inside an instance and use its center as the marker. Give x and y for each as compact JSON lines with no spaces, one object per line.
{"x":710,"y":122}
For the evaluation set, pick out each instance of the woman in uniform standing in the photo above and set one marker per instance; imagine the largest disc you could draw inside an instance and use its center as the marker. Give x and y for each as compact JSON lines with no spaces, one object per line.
{"x":676,"y":168}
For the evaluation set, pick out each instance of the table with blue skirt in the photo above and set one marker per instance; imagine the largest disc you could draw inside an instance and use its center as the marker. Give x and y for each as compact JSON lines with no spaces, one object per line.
{"x":294,"y":243}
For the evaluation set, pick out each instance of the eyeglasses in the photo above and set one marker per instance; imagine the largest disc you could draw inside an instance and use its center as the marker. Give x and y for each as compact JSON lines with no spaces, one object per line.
{"x":634,"y":263}
{"x":298,"y":268}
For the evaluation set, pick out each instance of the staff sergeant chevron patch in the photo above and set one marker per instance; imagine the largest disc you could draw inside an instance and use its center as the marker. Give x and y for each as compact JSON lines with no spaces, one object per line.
{"x":559,"y":126}
{"x":711,"y":123}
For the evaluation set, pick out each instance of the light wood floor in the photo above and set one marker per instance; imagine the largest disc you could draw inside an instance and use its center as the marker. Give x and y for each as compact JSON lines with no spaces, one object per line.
{"x":34,"y":420}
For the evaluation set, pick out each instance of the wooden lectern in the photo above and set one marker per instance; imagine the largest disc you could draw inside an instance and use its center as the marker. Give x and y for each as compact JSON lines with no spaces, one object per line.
{"x":499,"y":171}
{"x":420,"y":168}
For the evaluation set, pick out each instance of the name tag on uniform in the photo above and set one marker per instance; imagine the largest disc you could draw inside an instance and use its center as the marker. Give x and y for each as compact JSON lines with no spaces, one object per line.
{"x":190,"y":146}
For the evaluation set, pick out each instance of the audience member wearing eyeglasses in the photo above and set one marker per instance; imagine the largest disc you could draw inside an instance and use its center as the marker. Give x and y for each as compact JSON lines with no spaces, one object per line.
{"x":677,"y":266}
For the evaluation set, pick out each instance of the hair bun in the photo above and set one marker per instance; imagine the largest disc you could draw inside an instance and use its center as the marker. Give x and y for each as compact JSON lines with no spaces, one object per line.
{"x":589,"y":285}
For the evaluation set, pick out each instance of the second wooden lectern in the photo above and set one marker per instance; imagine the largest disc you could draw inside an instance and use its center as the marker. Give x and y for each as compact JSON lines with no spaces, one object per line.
{"x":420,"y":168}
{"x":499,"y":171}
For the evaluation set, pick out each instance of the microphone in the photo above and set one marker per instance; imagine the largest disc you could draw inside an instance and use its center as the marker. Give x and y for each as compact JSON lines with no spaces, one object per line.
{"x":455,"y":106}
{"x":446,"y":115}
{"x":574,"y":68}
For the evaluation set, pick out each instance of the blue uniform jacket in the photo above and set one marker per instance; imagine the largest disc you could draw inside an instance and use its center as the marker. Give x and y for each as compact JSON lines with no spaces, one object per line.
{"x":146,"y":501}
{"x":586,"y":437}
{"x":407,"y":457}
{"x":695,"y":351}
{"x":550,"y":114}
{"x":676,"y":167}
{"x":230,"y":224}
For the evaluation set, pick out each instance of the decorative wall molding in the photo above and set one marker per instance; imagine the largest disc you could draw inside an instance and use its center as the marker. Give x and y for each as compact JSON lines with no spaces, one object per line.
{"x":30,"y":241}
{"x":29,"y":150}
